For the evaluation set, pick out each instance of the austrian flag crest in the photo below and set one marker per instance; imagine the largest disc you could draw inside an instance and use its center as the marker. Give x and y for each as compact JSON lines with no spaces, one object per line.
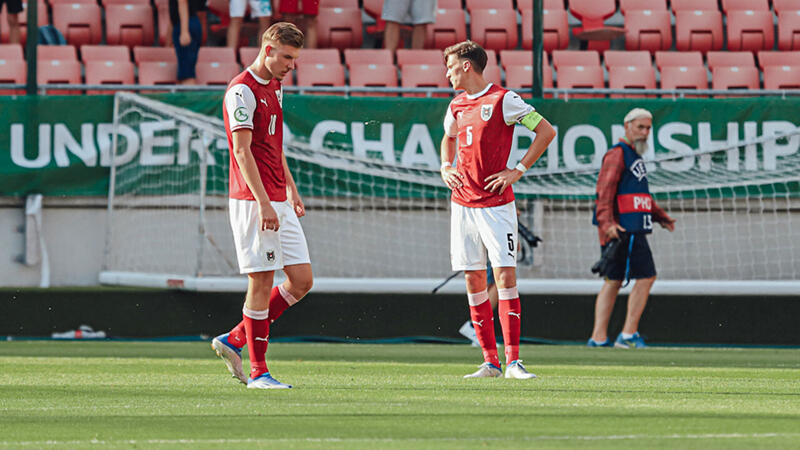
{"x":486,"y":112}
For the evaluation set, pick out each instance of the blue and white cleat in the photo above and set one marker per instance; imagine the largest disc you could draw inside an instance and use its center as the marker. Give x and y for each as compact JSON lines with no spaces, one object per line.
{"x":592,"y":343}
{"x":468,"y":331}
{"x":231,"y":356}
{"x":486,"y":370}
{"x":635,"y":341}
{"x":516,"y":370}
{"x":265,"y":381}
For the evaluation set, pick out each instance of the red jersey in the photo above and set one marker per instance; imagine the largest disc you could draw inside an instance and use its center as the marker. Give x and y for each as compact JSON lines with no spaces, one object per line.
{"x":255,"y":104}
{"x":484,"y":123}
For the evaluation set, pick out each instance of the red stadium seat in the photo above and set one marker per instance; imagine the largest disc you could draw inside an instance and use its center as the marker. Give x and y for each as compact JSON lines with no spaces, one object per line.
{"x":424,"y":75}
{"x":373,"y":75}
{"x":679,"y":59}
{"x":782,"y":77}
{"x":22,"y":18}
{"x":124,"y":2}
{"x":450,"y":28}
{"x":494,"y":28}
{"x":56,"y":53}
{"x":684,"y":77}
{"x":789,"y":30}
{"x":555,"y":29}
{"x":551,"y":5}
{"x":413,"y":56}
{"x":11,"y":52}
{"x":620,"y":58}
{"x":378,"y":56}
{"x":694,"y":5}
{"x":13,"y":72}
{"x":216,"y":73}
{"x":319,"y":56}
{"x":108,"y":72}
{"x":648,"y":30}
{"x":488,"y":4}
{"x":521,"y":77}
{"x":519,"y":58}
{"x":625,"y":6}
{"x":578,"y":69}
{"x":492,"y":74}
{"x":129,"y":24}
{"x":339,"y":28}
{"x":79,"y":22}
{"x":730,"y":59}
{"x":592,"y":14}
{"x":744,"y":5}
{"x":158,"y":72}
{"x":575,"y":58}
{"x":735,"y":78}
{"x":247,"y":55}
{"x":105,"y":53}
{"x":154,"y":54}
{"x":59,"y":72}
{"x":698,"y":30}
{"x":338,"y":4}
{"x":216,"y":54}
{"x":631,"y":77}
{"x":320,"y":74}
{"x":750,"y":25}
{"x":69,"y":2}
{"x":786,"y":5}
{"x":443,"y":4}
{"x":767,"y":59}
{"x":491,"y":58}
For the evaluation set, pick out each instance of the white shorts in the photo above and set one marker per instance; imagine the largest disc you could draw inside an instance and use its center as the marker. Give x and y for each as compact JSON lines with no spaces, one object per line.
{"x":263,"y":251}
{"x":474,"y":232}
{"x":258,"y":8}
{"x":414,"y":12}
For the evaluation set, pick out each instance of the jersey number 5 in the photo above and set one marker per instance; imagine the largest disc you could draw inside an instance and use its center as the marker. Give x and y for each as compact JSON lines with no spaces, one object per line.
{"x":469,"y":135}
{"x":272,"y":119}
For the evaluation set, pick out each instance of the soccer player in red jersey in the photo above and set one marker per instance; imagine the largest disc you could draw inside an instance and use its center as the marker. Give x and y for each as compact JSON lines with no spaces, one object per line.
{"x":264,"y":204}
{"x":479,"y":126}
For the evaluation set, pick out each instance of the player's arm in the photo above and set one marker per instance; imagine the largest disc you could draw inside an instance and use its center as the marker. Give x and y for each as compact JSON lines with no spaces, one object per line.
{"x":452,"y":179}
{"x":242,"y":138}
{"x":291,"y":190}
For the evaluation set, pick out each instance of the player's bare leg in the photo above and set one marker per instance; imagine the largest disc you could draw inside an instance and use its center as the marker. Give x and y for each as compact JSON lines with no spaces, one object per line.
{"x":299,"y":280}
{"x":509,"y":310}
{"x":483,"y":320}
{"x":603,"y":307}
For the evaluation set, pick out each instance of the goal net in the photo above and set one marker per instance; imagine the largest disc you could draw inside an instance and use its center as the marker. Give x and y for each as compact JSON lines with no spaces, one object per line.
{"x":382,"y":227}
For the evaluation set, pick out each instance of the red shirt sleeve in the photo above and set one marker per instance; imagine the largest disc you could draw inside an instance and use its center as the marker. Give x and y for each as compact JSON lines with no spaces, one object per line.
{"x":607,"y":182}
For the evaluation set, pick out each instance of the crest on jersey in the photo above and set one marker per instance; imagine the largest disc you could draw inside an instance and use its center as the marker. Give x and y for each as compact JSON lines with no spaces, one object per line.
{"x":240,"y":114}
{"x":279,"y":94}
{"x":486,"y":112}
{"x":638,"y":169}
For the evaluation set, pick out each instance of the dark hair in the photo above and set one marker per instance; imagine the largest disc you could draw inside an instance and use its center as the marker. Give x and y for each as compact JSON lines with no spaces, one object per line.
{"x":284,"y":33}
{"x":468,"y":50}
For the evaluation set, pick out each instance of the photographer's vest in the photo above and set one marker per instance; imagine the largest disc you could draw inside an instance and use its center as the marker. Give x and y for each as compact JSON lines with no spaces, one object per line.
{"x":634,"y":203}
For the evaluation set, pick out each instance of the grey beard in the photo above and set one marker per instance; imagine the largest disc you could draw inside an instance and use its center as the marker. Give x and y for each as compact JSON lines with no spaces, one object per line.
{"x":640,"y":147}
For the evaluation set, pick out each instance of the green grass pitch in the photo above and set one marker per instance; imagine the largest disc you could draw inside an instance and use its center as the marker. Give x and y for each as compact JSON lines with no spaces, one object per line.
{"x":179,"y":395}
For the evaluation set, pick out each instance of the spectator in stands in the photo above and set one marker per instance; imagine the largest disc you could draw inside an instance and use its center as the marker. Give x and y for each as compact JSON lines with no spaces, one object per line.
{"x":417,"y":13}
{"x":260,"y":9}
{"x":302,"y":13}
{"x":13,"y":8}
{"x":187,"y":34}
{"x":625,"y":211}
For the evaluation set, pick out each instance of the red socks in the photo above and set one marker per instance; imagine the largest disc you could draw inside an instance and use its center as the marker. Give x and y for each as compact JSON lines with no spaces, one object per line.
{"x":279,"y":301}
{"x":256,"y":326}
{"x":510,"y":311}
{"x":238,"y":336}
{"x":480,"y":310}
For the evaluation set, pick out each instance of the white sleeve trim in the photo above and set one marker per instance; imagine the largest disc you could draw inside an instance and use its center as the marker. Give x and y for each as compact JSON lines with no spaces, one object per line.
{"x":514,"y":108}
{"x":241,"y":105}
{"x":450,"y":125}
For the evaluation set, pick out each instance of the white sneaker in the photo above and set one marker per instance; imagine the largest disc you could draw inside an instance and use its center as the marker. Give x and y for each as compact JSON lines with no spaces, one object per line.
{"x":230,"y":355}
{"x":486,"y":370}
{"x":515,"y":369}
{"x":265,"y":381}
{"x":468,"y":331}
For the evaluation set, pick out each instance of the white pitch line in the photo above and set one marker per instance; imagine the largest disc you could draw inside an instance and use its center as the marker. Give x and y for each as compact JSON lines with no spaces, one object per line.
{"x":390,"y":440}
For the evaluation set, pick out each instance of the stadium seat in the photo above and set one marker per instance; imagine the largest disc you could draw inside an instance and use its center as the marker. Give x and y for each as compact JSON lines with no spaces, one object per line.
{"x":518,"y":58}
{"x":378,"y":56}
{"x":767,"y":59}
{"x":592,"y":14}
{"x":320,"y":74}
{"x":450,"y":28}
{"x":694,"y":5}
{"x":443,"y":4}
{"x":750,"y":25}
{"x":620,"y":58}
{"x":494,"y":28}
{"x":735,"y":78}
{"x":216,"y":54}
{"x":491,"y":58}
{"x":578,"y":69}
{"x":424,"y":75}
{"x":698,"y":30}
{"x":364,"y":74}
{"x":11,"y":52}
{"x":555,"y":29}
{"x":319,"y":56}
{"x":786,"y":5}
{"x":108,"y":72}
{"x":625,"y":6}
{"x":59,"y":72}
{"x":154,"y":54}
{"x":744,"y":5}
{"x":129,"y":24}
{"x":414,"y":56}
{"x":788,"y":29}
{"x":216,"y":73}
{"x":41,"y":20}
{"x":488,"y":4}
{"x":69,"y":2}
{"x":550,"y":5}
{"x":684,"y":77}
{"x":13,"y":71}
{"x":79,"y":22}
{"x":337,"y":4}
{"x":158,"y":72}
{"x":124,"y":2}
{"x":247,"y":55}
{"x":340,"y":28}
{"x":679,"y":59}
{"x":575,"y":58}
{"x":105,"y":53}
{"x":56,"y":53}
{"x":631,"y":77}
{"x":782,"y":77}
{"x":521,"y":77}
{"x":648,"y":30}
{"x":492,"y":74}
{"x":730,"y":59}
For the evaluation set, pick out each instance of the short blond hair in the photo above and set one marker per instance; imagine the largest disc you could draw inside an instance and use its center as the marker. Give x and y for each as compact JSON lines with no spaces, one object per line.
{"x":284,"y":33}
{"x":468,"y":50}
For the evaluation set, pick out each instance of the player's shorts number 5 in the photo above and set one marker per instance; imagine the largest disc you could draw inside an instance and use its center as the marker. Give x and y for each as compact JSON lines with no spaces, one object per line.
{"x":511,"y":242}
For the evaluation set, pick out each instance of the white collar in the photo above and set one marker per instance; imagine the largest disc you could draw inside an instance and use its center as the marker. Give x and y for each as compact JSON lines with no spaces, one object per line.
{"x":474,"y":96}
{"x":258,"y":78}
